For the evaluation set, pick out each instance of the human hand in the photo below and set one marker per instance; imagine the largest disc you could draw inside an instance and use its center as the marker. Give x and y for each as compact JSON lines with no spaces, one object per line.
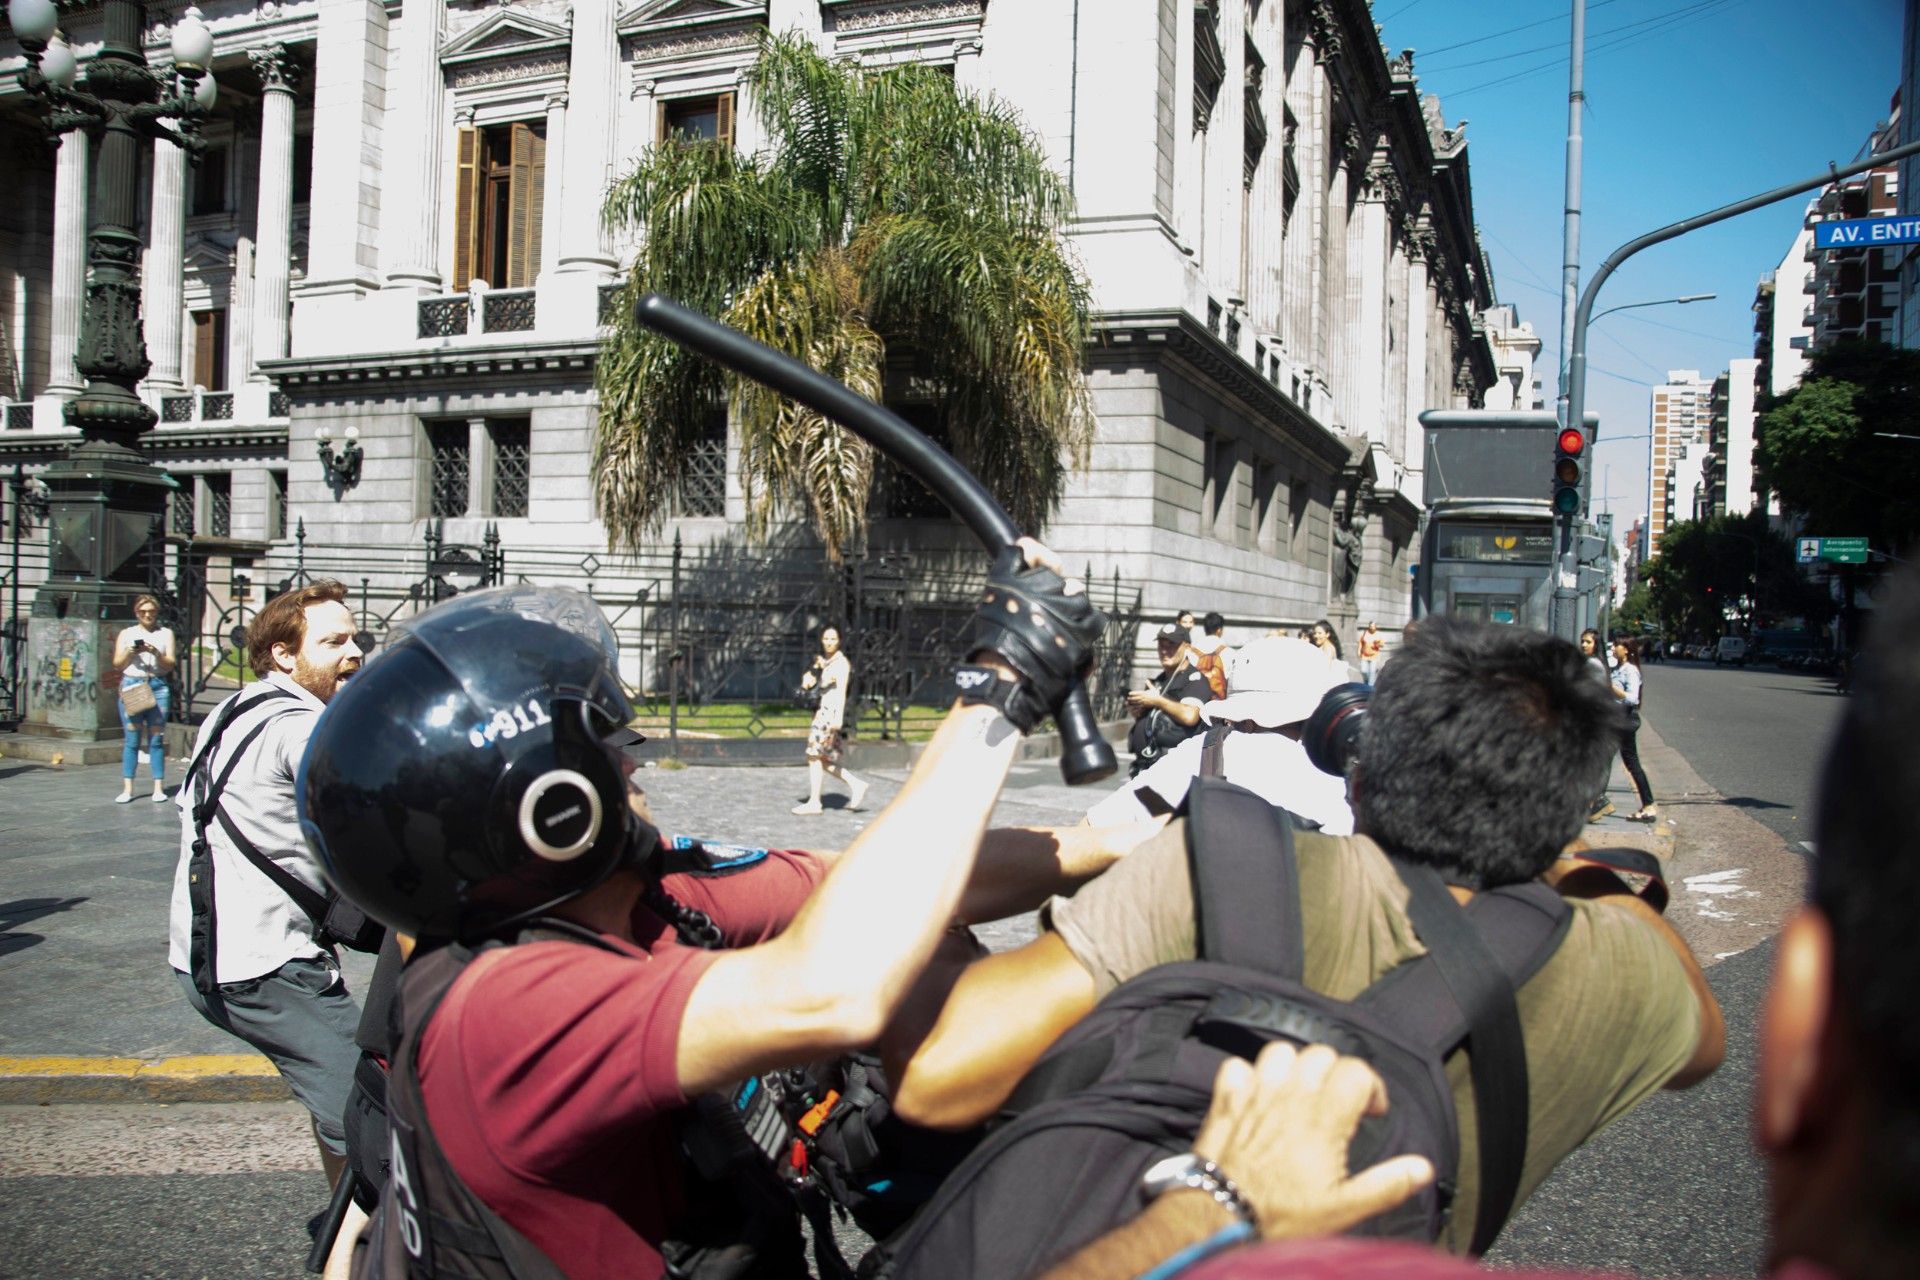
{"x":1280,"y":1128}
{"x":807,"y":681}
{"x":1039,"y":625}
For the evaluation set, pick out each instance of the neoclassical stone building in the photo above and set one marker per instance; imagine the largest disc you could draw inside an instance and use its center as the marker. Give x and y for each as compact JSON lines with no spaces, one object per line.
{"x":395,"y":229}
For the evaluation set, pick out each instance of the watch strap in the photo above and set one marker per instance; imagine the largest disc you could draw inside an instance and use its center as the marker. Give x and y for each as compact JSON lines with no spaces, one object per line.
{"x":1195,"y":1171}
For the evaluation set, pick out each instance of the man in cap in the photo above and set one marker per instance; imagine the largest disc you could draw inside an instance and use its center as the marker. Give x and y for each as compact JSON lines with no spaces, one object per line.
{"x":1167,"y":712}
{"x":1276,"y":685}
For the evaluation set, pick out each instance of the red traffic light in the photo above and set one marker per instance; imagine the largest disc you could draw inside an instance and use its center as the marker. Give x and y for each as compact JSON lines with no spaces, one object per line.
{"x":1572,"y":442}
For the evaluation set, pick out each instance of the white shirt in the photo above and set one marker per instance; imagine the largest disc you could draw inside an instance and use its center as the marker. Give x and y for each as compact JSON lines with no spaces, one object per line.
{"x":146,"y":662}
{"x":1271,"y":765}
{"x":259,"y":928}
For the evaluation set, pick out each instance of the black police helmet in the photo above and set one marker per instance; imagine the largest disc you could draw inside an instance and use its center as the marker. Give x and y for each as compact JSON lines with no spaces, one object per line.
{"x":462,"y":781}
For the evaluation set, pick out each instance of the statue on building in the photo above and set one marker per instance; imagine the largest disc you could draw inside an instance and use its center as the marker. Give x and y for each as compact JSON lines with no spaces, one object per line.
{"x":1349,"y":543}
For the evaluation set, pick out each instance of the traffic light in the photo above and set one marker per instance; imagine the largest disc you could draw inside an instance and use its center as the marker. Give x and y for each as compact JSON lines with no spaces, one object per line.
{"x":1569,"y":455}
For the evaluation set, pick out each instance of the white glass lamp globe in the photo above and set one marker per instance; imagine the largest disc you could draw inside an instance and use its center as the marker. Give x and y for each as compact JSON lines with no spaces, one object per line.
{"x":34,"y":21}
{"x":192,"y":42}
{"x":58,"y":64}
{"x":207,"y":92}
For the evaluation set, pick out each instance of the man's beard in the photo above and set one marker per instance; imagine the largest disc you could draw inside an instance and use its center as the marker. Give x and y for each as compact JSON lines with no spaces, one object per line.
{"x":321,"y":682}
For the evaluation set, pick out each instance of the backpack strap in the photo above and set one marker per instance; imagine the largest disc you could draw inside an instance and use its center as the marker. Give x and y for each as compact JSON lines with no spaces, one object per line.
{"x":203,"y":792}
{"x":1212,"y":751}
{"x":1463,"y":991}
{"x":1246,"y":884}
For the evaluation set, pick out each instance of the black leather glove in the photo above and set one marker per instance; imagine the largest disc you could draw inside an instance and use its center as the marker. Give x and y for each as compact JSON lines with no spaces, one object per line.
{"x":1047,"y":636}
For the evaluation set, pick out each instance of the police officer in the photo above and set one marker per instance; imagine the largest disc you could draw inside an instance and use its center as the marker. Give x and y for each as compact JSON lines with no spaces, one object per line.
{"x":557,"y":1033}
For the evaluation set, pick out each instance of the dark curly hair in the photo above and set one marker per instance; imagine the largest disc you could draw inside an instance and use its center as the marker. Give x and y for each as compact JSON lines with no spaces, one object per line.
{"x":1482,"y":749}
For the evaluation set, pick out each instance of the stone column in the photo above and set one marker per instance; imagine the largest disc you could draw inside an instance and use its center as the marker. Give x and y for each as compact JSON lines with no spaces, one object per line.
{"x":1419,"y":245}
{"x":165,"y":265}
{"x":273,"y":223}
{"x":479,"y":468}
{"x":593,"y":68}
{"x":553,"y":192}
{"x":240,"y":300}
{"x":69,"y":263}
{"x":421,"y":99}
{"x":349,"y":139}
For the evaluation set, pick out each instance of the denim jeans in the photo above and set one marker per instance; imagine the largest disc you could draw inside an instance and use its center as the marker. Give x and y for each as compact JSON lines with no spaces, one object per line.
{"x":149,"y":725}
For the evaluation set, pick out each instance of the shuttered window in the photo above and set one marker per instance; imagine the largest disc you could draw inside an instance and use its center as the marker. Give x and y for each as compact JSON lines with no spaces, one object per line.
{"x":210,"y":350}
{"x":500,"y":182}
{"x":708,"y":119}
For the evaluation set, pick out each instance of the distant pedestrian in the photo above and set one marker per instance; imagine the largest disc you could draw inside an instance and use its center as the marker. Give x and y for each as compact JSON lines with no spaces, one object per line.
{"x":144,"y":653}
{"x":826,"y":738}
{"x":1627,"y":686}
{"x":1167,"y":712}
{"x":1590,"y":649}
{"x":1371,"y":645}
{"x":1210,"y":653}
{"x":1323,"y":637}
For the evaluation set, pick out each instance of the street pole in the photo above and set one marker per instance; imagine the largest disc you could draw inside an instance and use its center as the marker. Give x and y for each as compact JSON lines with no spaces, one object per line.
{"x":1583,"y":315}
{"x":1559,"y":613}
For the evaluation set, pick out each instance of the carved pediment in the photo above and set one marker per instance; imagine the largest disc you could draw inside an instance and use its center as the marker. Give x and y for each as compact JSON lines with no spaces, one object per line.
{"x":504,"y":33}
{"x":205,"y":257}
{"x":658,"y":16}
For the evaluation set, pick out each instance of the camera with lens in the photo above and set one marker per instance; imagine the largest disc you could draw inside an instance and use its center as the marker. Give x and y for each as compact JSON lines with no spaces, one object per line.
{"x":1332,"y":733}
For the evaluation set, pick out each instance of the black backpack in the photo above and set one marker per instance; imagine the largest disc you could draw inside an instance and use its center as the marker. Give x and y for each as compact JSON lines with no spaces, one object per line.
{"x":1131,"y":1083}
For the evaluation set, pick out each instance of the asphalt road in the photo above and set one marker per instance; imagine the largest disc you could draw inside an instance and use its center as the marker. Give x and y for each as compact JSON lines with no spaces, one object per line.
{"x":1674,"y":1189}
{"x":1757,"y":734}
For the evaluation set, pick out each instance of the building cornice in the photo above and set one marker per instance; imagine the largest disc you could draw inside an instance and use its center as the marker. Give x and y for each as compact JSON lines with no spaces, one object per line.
{"x":570,"y":357}
{"x":159,"y":443}
{"x":1124,"y":335}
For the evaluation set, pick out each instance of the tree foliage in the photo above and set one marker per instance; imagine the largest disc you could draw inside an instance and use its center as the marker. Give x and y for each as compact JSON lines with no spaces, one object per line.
{"x":890,"y":212}
{"x":1705,"y":574}
{"x":1820,"y":449}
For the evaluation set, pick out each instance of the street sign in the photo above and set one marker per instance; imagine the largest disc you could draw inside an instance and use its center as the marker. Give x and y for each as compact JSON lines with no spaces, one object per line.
{"x":1864,"y":233}
{"x":1834,"y":550}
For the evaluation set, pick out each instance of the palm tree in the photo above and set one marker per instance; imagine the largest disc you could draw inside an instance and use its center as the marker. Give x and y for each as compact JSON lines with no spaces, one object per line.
{"x":888,"y":209}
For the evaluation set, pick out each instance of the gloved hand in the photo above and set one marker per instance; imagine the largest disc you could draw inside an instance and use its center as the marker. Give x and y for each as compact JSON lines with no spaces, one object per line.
{"x":1038,"y":624}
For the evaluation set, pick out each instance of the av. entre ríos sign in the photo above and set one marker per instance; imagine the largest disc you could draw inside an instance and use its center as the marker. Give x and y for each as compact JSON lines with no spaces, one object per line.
{"x":1865,"y":233}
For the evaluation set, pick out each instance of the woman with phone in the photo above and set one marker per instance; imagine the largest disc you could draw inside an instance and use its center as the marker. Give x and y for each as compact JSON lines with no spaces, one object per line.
{"x":832,"y":673}
{"x":143,"y":654}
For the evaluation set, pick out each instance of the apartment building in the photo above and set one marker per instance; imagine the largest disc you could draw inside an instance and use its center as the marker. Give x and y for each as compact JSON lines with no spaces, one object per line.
{"x":1679,"y":417}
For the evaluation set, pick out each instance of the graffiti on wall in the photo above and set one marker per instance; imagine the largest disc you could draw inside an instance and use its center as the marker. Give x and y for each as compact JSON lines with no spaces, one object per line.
{"x":62,"y":659}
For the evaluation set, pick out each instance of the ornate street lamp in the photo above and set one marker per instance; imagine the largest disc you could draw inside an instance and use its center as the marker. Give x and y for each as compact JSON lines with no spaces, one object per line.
{"x":106,"y":500}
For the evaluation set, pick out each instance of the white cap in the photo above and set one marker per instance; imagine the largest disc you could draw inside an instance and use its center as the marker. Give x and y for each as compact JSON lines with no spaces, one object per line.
{"x":1275,"y":681}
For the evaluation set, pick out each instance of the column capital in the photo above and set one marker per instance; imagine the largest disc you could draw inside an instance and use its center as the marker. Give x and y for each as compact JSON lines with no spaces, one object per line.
{"x":275,"y":67}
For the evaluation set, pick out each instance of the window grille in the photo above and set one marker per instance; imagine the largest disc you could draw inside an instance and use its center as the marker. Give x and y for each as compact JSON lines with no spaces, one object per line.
{"x":20,"y":416}
{"x":219,"y":505}
{"x":278,"y":511}
{"x":443,"y":317}
{"x":447,"y":443}
{"x":217,"y":406}
{"x":512,"y":458}
{"x":507,"y":312}
{"x":180,"y":517}
{"x":703,"y":486}
{"x":176,"y":408}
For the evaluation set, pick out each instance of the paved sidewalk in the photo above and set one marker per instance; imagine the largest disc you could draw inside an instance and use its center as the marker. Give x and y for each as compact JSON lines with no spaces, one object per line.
{"x":90,"y":1010}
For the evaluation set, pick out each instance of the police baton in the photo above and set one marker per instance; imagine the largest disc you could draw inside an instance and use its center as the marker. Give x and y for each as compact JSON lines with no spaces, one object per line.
{"x":329,"y":1229}
{"x":1085,"y":755}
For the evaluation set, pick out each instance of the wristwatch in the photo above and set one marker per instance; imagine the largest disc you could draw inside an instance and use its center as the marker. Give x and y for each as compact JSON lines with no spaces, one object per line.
{"x":1191,"y":1169}
{"x":977,"y":685}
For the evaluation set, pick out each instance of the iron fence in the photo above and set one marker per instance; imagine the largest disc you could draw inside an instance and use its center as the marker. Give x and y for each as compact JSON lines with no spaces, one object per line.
{"x":713,"y":639}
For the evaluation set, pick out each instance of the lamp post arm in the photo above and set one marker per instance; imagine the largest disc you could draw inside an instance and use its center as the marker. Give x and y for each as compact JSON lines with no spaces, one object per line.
{"x":1583,"y":315}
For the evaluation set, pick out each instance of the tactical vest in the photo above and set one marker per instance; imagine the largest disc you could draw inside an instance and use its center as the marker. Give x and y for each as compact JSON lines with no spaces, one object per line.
{"x":740,"y":1224}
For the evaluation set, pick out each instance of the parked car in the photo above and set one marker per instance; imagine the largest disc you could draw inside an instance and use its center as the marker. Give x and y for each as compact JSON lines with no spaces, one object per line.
{"x":1732,"y":650}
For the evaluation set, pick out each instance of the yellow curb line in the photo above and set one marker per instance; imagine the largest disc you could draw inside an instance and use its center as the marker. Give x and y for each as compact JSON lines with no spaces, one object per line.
{"x":214,"y":1077}
{"x":189,"y":1067}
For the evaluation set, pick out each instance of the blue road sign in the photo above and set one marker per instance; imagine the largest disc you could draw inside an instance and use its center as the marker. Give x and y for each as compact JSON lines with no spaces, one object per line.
{"x":1865,"y":233}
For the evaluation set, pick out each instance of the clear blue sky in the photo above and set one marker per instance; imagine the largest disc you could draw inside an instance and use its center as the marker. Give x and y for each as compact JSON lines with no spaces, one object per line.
{"x":1691,"y":104}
